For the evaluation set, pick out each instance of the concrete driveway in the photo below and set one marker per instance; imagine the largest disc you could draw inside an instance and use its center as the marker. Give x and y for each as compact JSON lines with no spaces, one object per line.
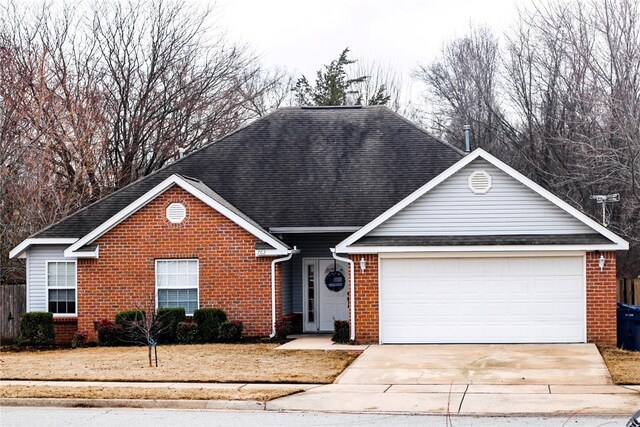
{"x":511,"y":364}
{"x":472,"y":379}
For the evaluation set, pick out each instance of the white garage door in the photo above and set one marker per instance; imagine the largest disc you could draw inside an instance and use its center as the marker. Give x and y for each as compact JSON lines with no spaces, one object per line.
{"x":482,"y":300}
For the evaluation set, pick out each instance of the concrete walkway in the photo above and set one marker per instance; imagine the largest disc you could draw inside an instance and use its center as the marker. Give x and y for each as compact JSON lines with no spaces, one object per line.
{"x":317,"y":342}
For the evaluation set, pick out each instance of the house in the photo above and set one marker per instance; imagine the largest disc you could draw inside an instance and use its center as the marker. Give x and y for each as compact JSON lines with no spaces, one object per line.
{"x":354,"y":213}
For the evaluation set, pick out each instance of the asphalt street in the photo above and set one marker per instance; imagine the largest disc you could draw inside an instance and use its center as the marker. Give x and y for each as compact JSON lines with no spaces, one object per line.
{"x":97,"y":417}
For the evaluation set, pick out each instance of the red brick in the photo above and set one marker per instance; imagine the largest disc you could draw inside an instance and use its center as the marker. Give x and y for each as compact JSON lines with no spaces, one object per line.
{"x":231,"y":276}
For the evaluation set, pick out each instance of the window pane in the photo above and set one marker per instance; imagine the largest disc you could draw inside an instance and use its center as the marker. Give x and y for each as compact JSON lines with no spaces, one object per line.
{"x":183,"y":268}
{"x":193,"y":267}
{"x":71,"y":274}
{"x":61,"y":274}
{"x":161,"y":267}
{"x":185,"y":298}
{"x":61,"y":271}
{"x":51,"y":274}
{"x":62,"y":301}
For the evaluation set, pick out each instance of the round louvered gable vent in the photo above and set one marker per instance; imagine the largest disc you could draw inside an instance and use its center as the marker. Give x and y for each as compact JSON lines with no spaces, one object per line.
{"x":176,"y":213}
{"x":480,"y":182}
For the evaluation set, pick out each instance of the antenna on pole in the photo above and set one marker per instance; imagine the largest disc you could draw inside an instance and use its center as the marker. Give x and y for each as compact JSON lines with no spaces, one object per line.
{"x":603,"y":199}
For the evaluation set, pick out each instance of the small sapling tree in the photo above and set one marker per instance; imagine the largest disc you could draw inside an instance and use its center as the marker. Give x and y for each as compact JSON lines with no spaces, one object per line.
{"x":143,"y":327}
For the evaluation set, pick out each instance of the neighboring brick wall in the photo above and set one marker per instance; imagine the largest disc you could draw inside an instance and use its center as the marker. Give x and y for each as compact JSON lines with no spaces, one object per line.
{"x":601,"y":299}
{"x":65,"y":329}
{"x":231,"y":277}
{"x":366,"y":299}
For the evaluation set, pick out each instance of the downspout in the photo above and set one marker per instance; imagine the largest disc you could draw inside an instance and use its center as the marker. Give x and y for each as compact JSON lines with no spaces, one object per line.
{"x":352,"y":289}
{"x":273,"y":287}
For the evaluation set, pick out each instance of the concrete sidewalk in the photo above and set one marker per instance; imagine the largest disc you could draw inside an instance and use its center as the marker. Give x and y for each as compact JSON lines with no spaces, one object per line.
{"x":462,"y":399}
{"x":465,"y":399}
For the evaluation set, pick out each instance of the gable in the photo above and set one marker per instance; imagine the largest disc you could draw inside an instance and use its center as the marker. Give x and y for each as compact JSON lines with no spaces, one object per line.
{"x":507,"y":208}
{"x":199,"y":191}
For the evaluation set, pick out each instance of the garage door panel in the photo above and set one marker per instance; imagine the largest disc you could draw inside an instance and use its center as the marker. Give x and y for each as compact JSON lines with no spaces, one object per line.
{"x":501,"y":300}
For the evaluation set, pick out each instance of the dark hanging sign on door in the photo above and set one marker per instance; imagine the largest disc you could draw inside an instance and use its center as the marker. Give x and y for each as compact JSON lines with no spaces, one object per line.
{"x":335,"y":281}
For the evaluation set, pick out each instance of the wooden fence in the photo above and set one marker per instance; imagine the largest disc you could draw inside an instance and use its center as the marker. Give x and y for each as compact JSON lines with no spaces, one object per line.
{"x":13,"y":301}
{"x":628,"y":291}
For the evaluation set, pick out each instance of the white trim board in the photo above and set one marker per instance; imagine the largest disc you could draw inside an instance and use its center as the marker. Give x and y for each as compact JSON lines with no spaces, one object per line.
{"x":20,"y":250}
{"x":619,"y":243}
{"x":159,"y":189}
{"x":301,"y":230}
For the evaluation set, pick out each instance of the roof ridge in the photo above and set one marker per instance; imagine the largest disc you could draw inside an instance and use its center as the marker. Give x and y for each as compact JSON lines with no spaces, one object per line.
{"x":423,"y":130}
{"x":166,"y":166}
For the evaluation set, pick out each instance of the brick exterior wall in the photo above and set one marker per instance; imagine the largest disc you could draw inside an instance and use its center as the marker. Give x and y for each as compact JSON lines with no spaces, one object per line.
{"x":231,"y":277}
{"x":601,"y":299}
{"x":65,"y":329}
{"x":366,"y":299}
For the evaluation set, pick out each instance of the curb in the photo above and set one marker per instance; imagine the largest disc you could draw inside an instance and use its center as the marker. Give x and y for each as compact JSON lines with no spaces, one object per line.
{"x":231,"y":405}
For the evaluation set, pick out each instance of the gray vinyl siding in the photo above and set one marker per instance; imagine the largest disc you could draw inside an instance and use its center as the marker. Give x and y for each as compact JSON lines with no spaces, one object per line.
{"x":315,"y":245}
{"x":508,"y":208}
{"x":37,"y":257}
{"x":287,"y":288}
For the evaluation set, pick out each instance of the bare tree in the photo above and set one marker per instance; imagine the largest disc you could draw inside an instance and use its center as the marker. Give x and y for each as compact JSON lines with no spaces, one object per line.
{"x":462,"y":88}
{"x":560,"y":101}
{"x":94,"y":98}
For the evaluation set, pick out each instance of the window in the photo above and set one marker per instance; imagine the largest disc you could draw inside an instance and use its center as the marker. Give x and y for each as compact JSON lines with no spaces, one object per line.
{"x":61,"y":287}
{"x":177,"y":283}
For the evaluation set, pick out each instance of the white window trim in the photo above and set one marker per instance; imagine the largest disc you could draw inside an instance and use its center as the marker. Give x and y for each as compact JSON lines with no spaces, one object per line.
{"x":155,"y":275}
{"x":75,"y":288}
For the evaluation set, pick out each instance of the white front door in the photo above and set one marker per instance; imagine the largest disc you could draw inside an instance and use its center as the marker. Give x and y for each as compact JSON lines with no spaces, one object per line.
{"x":323,"y":305}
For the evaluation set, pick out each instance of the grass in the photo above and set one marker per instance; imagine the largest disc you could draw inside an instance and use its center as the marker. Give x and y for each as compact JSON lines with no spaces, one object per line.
{"x":623,"y":365}
{"x":179,"y":363}
{"x":94,"y":392}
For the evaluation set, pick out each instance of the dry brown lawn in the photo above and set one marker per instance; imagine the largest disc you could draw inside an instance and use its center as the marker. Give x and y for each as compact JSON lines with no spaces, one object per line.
{"x":623,"y":365}
{"x":252,"y":363}
{"x":262,"y":395}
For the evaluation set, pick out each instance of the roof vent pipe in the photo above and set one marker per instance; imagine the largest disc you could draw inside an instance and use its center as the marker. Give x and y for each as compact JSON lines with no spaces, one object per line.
{"x":181,"y":152}
{"x":467,"y":138}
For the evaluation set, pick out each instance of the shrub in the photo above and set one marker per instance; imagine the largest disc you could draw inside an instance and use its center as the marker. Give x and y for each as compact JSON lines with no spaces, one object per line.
{"x":341,"y":331}
{"x":209,"y":321}
{"x":168,"y":319}
{"x":283,"y":328}
{"x":127,"y":319}
{"x":230,"y":331}
{"x":186,"y":333}
{"x":127,"y":316}
{"x":36,"y":328}
{"x":110,"y":333}
{"x":79,"y":340}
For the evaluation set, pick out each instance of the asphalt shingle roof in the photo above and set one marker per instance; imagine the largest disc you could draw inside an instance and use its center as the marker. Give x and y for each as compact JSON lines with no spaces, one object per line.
{"x":299,"y":167}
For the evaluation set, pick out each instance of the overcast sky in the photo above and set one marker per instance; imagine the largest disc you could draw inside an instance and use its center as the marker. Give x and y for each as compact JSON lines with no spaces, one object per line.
{"x":303,"y":35}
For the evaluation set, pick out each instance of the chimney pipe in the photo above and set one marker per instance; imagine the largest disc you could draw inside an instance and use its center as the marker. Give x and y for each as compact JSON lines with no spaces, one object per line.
{"x":467,"y":138}
{"x":181,"y":152}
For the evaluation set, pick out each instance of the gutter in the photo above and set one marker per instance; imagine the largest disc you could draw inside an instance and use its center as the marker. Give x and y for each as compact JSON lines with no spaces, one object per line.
{"x":352,"y":289}
{"x":273,"y":287}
